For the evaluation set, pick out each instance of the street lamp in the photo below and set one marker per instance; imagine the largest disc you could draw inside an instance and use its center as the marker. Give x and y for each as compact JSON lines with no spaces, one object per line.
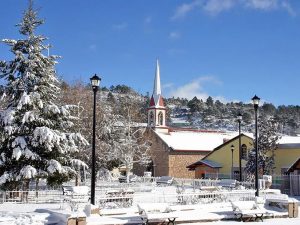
{"x":240,"y":117}
{"x":232,"y":149}
{"x":95,"y":82}
{"x":255,"y":101}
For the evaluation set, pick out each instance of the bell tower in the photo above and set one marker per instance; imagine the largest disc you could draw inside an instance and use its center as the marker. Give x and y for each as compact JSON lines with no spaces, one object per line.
{"x":157,"y":110}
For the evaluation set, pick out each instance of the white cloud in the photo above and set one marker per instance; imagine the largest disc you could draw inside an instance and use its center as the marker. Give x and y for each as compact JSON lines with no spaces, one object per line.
{"x":214,"y":7}
{"x":194,"y":88}
{"x":185,"y":8}
{"x":285,"y":5}
{"x":120,"y":26}
{"x":262,"y":4}
{"x":174,"y":35}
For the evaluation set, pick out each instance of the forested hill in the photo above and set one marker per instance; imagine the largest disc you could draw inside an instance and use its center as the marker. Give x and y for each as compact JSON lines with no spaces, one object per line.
{"x":213,"y":114}
{"x":192,"y":113}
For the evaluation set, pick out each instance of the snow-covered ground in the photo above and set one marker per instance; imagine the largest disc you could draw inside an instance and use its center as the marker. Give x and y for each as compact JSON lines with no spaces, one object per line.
{"x":277,"y":221}
{"x":50,"y":214}
{"x":39,"y":214}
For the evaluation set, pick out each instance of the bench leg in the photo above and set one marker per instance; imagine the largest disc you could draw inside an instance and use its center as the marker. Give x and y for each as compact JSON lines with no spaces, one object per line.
{"x":259,"y":216}
{"x":171,"y":221}
{"x":145,"y":221}
{"x":239,"y":216}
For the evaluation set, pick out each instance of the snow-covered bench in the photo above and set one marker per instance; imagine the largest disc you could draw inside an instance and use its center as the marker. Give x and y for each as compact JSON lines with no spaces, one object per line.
{"x":247,"y":210}
{"x":76,"y":195}
{"x":277,"y":198}
{"x":227,"y":183}
{"x":153,"y":212}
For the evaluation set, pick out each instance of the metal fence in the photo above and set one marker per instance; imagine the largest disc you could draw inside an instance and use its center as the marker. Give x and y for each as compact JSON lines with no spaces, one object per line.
{"x":176,"y":199}
{"x":142,"y":191}
{"x":31,"y":196}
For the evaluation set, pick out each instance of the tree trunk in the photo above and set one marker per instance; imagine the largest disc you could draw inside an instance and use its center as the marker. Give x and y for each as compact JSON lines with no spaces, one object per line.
{"x":37,"y":187}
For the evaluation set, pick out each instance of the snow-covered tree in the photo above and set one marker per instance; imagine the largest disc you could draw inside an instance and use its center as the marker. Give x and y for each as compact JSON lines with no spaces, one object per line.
{"x":36,"y":138}
{"x":267,"y":143}
{"x":129,"y":144}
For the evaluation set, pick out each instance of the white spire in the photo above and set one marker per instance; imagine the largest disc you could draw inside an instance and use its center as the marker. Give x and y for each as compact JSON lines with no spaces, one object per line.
{"x":157,"y":88}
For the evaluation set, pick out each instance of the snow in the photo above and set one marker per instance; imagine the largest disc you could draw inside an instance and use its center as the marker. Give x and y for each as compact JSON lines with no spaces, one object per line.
{"x":8,"y":116}
{"x":25,"y":100}
{"x":289,"y":140}
{"x":196,"y":140}
{"x":28,"y":117}
{"x":54,"y":166}
{"x":28,"y":172}
{"x":17,"y":152}
{"x":57,"y":213}
{"x":46,"y":136}
{"x":4,"y":178}
{"x":279,"y":221}
{"x":38,"y":214}
{"x":19,"y":141}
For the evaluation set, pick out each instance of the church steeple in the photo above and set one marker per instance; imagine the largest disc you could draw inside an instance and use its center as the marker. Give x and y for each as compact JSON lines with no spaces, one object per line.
{"x":156,"y":98}
{"x":157,"y":110}
{"x":157,"y":88}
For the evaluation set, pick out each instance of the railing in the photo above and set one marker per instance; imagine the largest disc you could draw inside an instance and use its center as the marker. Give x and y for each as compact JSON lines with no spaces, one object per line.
{"x":175,"y":199}
{"x":31,"y":196}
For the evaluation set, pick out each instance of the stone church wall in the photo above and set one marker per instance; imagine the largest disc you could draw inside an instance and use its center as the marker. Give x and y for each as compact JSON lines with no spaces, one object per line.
{"x":178,"y":162}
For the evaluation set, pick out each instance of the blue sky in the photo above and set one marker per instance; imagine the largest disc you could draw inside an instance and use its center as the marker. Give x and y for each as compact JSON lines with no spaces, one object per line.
{"x":228,"y":49}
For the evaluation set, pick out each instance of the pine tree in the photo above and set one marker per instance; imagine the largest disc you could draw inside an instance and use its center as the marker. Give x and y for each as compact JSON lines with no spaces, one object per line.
{"x":267,"y":144}
{"x":35,"y":132}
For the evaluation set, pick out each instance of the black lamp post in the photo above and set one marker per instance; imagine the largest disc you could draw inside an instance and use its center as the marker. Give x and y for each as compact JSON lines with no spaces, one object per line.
{"x":240,"y":117}
{"x":255,"y":101}
{"x":95,"y":82}
{"x":232,"y":149}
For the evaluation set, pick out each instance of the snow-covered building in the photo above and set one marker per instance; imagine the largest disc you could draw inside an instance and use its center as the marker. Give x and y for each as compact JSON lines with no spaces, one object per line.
{"x":189,"y":153}
{"x":173,"y":149}
{"x":219,"y":162}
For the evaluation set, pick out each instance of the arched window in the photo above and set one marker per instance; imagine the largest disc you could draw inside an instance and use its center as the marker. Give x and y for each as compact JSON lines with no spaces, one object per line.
{"x":244,"y":152}
{"x":160,"y":118}
{"x":151,"y":118}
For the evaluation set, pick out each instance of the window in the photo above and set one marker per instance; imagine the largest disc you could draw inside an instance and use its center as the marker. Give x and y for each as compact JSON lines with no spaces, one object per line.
{"x":160,"y":118}
{"x":151,"y":118}
{"x":244,"y":152}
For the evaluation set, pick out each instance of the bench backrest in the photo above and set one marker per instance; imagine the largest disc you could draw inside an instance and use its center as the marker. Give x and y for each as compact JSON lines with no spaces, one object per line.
{"x":243,"y":205}
{"x":227,"y":183}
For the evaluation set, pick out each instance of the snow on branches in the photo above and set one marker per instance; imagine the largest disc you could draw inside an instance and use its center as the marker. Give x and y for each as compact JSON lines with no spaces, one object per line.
{"x":267,"y":144}
{"x":36,"y":135}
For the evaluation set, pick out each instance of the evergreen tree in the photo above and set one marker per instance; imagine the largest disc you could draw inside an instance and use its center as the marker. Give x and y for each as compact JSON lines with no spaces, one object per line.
{"x":267,"y":144}
{"x":209,"y":101}
{"x":35,"y":137}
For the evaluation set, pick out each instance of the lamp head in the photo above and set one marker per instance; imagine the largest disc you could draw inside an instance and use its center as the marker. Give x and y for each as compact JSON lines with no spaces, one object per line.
{"x":255,"y":100}
{"x":240,"y":117}
{"x":232,"y":147}
{"x":95,"y":82}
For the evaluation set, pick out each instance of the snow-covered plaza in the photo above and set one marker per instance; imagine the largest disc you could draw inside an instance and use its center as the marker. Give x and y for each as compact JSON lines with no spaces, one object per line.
{"x":189,"y":204}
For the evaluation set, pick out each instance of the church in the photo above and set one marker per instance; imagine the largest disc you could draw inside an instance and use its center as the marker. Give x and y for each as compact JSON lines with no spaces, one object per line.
{"x":173,"y":149}
{"x":190,"y":153}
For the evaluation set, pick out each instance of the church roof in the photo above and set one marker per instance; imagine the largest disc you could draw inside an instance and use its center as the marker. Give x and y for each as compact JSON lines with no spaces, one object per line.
{"x":193,"y":140}
{"x":289,"y":142}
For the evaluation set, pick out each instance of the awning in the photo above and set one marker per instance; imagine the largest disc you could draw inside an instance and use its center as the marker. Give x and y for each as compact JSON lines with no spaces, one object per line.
{"x":206,"y":162}
{"x":294,"y":166}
